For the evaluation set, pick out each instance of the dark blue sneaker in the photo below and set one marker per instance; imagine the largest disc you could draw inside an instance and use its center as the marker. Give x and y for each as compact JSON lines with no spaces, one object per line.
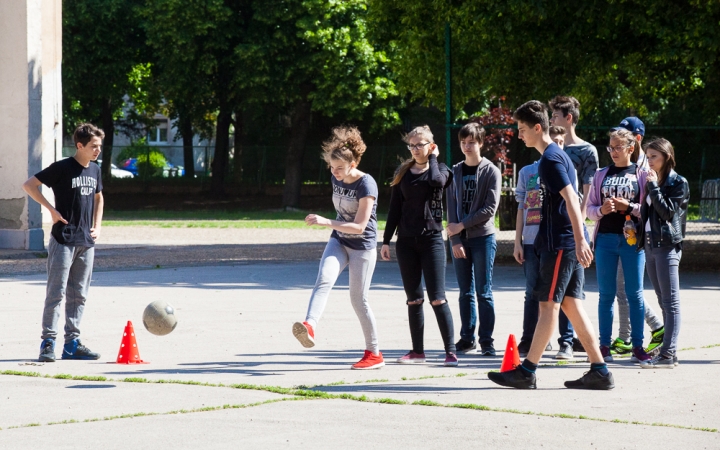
{"x":47,"y":350}
{"x":487,"y":350}
{"x":75,"y":350}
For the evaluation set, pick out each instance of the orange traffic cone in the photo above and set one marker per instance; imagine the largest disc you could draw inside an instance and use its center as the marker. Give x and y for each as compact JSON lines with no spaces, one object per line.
{"x":129,"y":353}
{"x":511,"y":359}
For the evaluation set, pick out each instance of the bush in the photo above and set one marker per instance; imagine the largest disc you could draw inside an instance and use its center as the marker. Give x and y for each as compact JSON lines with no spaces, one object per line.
{"x":140,"y":150}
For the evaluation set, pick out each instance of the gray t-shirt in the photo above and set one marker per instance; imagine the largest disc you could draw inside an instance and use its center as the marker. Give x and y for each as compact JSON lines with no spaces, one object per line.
{"x":585,"y":160}
{"x":527,"y":194}
{"x":346,"y":199}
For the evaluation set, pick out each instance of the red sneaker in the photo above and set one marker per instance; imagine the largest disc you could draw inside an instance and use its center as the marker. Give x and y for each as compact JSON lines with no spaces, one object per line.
{"x":370,"y":361}
{"x":304,"y":333}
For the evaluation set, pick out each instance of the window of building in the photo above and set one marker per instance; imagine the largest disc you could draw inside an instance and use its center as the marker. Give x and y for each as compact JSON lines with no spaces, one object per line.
{"x":159,"y":133}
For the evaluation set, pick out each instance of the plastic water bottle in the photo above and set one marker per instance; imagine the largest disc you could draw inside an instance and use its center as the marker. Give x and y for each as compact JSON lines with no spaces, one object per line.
{"x":630,"y":231}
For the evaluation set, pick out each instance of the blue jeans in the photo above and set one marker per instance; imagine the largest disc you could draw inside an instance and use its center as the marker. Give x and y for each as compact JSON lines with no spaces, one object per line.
{"x":531,"y":267}
{"x":474,"y":275}
{"x":610,"y":247}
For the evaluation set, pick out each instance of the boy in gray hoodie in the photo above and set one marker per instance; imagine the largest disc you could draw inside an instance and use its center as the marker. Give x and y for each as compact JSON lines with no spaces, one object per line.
{"x":473,"y":200}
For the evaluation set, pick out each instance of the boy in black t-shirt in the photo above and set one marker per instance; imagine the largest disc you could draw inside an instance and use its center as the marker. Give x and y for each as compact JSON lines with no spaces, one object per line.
{"x":76,"y":217}
{"x":562,"y":245}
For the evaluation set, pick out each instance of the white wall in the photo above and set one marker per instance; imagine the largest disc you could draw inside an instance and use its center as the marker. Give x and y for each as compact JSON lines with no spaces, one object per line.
{"x":30,"y":111}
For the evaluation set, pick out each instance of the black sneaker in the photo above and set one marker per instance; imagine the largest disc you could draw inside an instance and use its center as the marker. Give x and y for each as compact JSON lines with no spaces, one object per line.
{"x":577,"y":346}
{"x":75,"y":350}
{"x":517,"y":378}
{"x":487,"y":350}
{"x":463,"y":346}
{"x":47,"y":350}
{"x":524,"y":348}
{"x":592,"y":379}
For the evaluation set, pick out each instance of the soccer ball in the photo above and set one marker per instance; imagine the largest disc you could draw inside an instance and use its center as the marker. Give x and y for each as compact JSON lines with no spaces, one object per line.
{"x":159,"y":318}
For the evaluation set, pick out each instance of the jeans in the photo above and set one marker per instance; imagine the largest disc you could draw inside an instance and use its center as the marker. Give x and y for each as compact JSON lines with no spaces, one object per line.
{"x":662,"y":268}
{"x":474,"y":275}
{"x":424,"y":257}
{"x":69,"y":271}
{"x":624,"y":328}
{"x":610,"y":247}
{"x":362,"y":265}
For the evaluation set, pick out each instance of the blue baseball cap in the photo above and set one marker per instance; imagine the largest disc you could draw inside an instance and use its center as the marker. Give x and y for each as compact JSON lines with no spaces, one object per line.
{"x":632,"y":124}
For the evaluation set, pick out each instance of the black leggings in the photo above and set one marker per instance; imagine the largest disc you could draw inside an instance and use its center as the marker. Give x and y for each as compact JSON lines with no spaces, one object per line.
{"x":418,"y":257}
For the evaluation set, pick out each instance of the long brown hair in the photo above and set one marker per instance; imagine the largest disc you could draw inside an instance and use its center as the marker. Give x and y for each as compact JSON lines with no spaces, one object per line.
{"x":424,"y":132}
{"x":629,"y":139}
{"x":663,"y":146}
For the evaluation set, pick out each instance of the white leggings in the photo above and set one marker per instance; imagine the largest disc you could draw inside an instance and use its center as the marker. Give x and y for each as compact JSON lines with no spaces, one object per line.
{"x":362,"y":265}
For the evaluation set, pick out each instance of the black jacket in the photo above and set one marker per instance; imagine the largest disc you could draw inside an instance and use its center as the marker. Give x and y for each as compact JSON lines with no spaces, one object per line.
{"x":668,"y":212}
{"x":416,"y":205}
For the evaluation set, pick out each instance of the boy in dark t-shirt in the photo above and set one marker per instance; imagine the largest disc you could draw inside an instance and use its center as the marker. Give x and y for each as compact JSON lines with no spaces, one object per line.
{"x":76,"y":217}
{"x":562,"y":244}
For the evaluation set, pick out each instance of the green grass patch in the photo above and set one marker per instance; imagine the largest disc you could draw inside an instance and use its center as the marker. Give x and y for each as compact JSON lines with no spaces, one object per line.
{"x":426,"y":403}
{"x":710,"y":346}
{"x":216,"y":219}
{"x":305,"y":393}
{"x":376,"y":380}
{"x":390,"y":401}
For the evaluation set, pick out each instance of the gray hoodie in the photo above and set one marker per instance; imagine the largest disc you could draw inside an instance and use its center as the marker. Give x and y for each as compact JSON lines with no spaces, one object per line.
{"x":481,"y":220}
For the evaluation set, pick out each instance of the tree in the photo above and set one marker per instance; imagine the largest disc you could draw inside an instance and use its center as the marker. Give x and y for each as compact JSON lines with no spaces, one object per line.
{"x":102,"y":43}
{"x":195,"y":45}
{"x":615,"y":56}
{"x":314,"y":56}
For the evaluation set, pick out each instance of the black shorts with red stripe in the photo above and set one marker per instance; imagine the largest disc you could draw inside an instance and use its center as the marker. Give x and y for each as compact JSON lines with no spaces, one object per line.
{"x":561,"y":275}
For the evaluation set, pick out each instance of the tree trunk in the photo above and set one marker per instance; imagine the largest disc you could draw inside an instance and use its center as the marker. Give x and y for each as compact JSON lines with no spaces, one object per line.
{"x":295,"y":153}
{"x":186,"y":131}
{"x":238,"y":147}
{"x":222,"y":148}
{"x":108,"y":126}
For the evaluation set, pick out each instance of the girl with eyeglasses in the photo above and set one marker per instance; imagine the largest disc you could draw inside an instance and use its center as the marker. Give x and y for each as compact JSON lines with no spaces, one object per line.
{"x":662,"y":230}
{"x":416,"y":212}
{"x":614,"y":200}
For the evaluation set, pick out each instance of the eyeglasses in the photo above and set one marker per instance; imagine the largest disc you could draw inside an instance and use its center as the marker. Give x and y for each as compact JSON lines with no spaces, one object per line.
{"x":617,"y":149}
{"x":417,"y":146}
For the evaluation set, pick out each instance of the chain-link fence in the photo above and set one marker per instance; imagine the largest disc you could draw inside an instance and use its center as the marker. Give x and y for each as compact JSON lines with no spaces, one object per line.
{"x":261,"y":166}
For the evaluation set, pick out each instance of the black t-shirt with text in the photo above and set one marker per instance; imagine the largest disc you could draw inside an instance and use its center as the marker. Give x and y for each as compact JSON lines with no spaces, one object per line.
{"x":620,"y":182}
{"x":469,"y":183}
{"x":74,"y":187}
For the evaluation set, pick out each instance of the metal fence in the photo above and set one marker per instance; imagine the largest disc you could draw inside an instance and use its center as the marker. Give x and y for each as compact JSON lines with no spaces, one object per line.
{"x":265,"y":164}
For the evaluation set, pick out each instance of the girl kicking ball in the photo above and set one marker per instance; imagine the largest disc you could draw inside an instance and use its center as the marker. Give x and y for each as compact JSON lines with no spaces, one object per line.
{"x":353,"y":242}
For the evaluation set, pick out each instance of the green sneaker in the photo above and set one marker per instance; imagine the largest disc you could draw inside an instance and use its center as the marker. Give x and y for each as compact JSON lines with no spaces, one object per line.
{"x":657,"y":339}
{"x":620,"y":347}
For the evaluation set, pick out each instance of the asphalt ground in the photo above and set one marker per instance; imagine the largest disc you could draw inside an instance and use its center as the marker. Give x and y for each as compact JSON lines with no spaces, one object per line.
{"x":232,"y":375}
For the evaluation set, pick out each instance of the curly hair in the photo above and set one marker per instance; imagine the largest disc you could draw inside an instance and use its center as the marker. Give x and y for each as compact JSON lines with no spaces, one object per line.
{"x":345,"y":144}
